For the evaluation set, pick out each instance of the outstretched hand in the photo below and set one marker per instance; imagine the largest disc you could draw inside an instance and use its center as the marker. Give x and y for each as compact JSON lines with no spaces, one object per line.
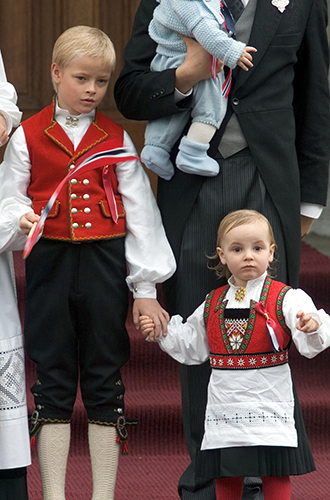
{"x":152,"y":309}
{"x":306,"y":323}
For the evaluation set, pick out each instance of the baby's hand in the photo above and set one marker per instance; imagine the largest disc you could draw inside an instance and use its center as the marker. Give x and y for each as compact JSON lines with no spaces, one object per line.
{"x":306,"y":323}
{"x":146,"y":325}
{"x":245,"y":59}
{"x":27,"y":220}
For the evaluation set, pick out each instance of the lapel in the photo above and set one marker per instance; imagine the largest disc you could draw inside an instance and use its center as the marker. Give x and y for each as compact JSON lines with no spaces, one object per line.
{"x":92,"y":137}
{"x":266,"y":21}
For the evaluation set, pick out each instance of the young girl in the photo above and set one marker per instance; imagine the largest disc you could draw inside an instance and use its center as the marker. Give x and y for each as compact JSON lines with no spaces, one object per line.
{"x":208,"y":22}
{"x":253,"y":422}
{"x":76,"y":274}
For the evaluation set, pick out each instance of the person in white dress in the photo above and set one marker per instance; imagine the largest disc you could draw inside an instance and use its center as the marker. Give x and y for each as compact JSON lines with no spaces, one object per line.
{"x":14,"y":434}
{"x":253,"y":422}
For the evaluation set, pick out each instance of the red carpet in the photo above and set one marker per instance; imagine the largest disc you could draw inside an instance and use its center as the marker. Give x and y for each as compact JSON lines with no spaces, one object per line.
{"x":157,"y":448}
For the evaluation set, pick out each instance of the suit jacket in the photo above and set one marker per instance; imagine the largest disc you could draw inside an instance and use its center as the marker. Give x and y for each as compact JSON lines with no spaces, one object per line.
{"x":282,"y":105}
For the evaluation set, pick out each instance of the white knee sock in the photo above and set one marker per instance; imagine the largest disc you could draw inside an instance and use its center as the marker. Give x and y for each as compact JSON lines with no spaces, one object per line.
{"x":104,"y":451}
{"x":53,"y":443}
{"x":201,"y":132}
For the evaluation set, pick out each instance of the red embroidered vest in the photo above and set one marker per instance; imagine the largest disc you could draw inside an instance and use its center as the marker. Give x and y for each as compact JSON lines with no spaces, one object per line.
{"x":81,"y":211}
{"x":256,"y":350}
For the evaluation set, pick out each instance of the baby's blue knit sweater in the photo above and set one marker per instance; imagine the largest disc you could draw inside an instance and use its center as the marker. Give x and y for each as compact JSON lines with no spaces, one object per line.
{"x":198,"y":19}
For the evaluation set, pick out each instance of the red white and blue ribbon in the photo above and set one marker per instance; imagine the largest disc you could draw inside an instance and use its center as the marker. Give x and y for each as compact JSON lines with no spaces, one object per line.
{"x":277,"y":335}
{"x":227,"y":84}
{"x":95,"y":158}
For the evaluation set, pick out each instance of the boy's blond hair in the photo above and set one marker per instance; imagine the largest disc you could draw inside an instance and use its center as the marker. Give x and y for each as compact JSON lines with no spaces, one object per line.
{"x":83,"y":41}
{"x":232,"y":220}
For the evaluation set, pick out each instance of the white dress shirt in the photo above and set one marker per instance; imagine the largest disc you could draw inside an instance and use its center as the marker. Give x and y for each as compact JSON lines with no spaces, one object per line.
{"x":148,"y":253}
{"x":247,"y":407}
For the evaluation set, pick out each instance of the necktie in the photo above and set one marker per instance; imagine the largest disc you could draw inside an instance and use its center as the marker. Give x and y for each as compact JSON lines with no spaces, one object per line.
{"x":236,"y":8}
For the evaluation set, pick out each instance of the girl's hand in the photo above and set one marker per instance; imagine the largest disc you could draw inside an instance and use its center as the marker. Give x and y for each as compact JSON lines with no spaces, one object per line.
{"x":245,"y":59}
{"x":306,"y":323}
{"x":152,"y":309}
{"x":146,"y":325}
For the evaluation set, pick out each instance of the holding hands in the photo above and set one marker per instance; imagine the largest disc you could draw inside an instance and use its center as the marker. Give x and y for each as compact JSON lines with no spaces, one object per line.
{"x":150,"y":318}
{"x":146,"y":325}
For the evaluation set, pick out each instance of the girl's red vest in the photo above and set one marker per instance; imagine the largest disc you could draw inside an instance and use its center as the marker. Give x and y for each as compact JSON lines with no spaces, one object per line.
{"x":256,"y":343}
{"x":81,"y":211}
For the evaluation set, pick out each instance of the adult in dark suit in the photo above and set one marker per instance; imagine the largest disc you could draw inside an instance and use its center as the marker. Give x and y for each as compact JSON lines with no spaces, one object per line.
{"x":273,"y":153}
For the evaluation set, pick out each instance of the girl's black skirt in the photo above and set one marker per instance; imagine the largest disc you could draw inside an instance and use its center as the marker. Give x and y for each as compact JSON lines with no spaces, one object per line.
{"x":256,"y":461}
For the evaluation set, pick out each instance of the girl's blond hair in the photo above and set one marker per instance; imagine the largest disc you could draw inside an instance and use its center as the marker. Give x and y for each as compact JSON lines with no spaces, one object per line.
{"x":232,"y":220}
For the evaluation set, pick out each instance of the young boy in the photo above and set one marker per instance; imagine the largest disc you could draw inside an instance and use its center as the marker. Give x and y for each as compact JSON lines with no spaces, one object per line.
{"x":76,"y":292}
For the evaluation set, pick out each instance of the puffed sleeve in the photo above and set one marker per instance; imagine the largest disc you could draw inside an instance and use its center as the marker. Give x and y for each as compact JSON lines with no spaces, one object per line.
{"x":8,"y":100}
{"x":311,"y":344}
{"x":148,"y":253}
{"x":187,"y":342}
{"x":14,"y":202}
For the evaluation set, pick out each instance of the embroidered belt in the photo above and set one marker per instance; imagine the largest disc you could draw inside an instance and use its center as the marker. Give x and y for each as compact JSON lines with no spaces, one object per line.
{"x":248,"y":361}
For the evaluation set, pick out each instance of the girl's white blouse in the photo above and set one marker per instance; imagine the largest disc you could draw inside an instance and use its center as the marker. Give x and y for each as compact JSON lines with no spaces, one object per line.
{"x":253,"y":406}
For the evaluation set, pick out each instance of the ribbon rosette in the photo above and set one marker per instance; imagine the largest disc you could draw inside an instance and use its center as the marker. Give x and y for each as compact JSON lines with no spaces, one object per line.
{"x":277,"y":335}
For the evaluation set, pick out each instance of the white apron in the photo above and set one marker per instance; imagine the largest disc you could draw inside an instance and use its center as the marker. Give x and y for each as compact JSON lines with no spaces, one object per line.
{"x":14,"y":432}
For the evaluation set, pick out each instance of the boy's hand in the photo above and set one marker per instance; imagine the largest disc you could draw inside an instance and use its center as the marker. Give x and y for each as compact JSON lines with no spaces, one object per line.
{"x":195,"y":67}
{"x":27,"y":220}
{"x":306,"y":323}
{"x":152,"y":309}
{"x":245,"y":59}
{"x":146,"y":325}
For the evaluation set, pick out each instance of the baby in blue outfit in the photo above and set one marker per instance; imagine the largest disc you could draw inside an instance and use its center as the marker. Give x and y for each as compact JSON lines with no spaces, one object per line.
{"x":210,"y":24}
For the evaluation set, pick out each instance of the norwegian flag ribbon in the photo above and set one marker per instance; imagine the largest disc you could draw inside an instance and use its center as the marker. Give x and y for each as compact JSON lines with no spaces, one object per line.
{"x":227,"y":84}
{"x":94,"y":158}
{"x":230,"y":28}
{"x":277,"y":335}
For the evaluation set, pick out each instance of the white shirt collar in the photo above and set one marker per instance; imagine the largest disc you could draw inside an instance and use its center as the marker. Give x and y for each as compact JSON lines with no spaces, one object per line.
{"x":251,"y":284}
{"x":83,"y":119}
